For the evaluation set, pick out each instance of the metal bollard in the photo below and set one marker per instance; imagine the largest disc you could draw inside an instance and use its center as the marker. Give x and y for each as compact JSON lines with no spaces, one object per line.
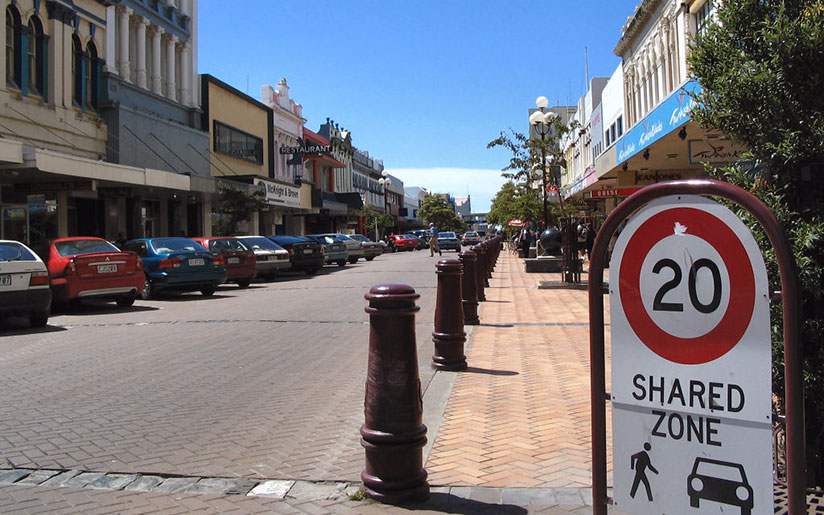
{"x":393,"y":433}
{"x":485,"y":267}
{"x":479,"y":273}
{"x":469,"y":288}
{"x":449,"y":336}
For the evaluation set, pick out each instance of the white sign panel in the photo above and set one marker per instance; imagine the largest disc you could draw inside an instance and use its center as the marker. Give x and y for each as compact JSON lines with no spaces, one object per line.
{"x":280,"y":194}
{"x":691,"y":360}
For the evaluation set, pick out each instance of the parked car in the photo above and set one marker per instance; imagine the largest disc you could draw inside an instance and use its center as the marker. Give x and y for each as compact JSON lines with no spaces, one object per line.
{"x":24,"y":283}
{"x":482,"y":235}
{"x":304,"y":254}
{"x":422,"y":235}
{"x":470,"y":238}
{"x":398,"y":242}
{"x":269,"y":256}
{"x":449,"y":240}
{"x":178,"y":264}
{"x":239,"y":260}
{"x":334,"y":250}
{"x":418,"y":241}
{"x":84,"y":267}
{"x":370,"y":248}
{"x":353,"y":246}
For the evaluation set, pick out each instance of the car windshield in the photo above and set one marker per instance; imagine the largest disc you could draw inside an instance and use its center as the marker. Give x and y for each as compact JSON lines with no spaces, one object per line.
{"x":327,"y":239}
{"x":169,"y":245}
{"x":359,"y":237}
{"x":718,"y":470}
{"x":11,"y":251}
{"x":75,"y":247}
{"x":471,"y":235}
{"x":343,"y":237}
{"x":226,"y":244}
{"x":260,"y":243}
{"x":446,"y":235}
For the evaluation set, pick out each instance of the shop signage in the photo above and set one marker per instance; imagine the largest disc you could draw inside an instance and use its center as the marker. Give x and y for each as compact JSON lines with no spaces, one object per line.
{"x":714,"y":151}
{"x":613,"y":192}
{"x":671,"y":114}
{"x":14,"y":213}
{"x":280,"y":194}
{"x":43,"y":187}
{"x":691,"y":357}
{"x":302,"y":149}
{"x":115,"y":192}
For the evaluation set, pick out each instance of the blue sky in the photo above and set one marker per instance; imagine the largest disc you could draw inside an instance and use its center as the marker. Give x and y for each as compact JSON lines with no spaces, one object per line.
{"x":423,"y":85}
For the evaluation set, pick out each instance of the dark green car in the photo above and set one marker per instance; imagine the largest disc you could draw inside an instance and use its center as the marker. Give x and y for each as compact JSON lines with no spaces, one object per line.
{"x":334,"y":250}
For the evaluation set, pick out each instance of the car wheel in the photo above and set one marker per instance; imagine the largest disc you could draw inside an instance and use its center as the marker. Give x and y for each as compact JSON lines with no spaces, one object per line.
{"x":353,"y":260}
{"x":342,"y":262}
{"x":370,"y":258}
{"x":208,"y":291}
{"x":311,"y":271}
{"x":39,"y":319}
{"x":244,"y":283}
{"x":125,"y":302}
{"x":148,"y":291}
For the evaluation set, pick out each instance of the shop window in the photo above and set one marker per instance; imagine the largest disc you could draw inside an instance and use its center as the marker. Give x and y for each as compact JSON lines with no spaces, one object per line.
{"x":236,"y":143}
{"x":14,"y":48}
{"x":703,"y":16}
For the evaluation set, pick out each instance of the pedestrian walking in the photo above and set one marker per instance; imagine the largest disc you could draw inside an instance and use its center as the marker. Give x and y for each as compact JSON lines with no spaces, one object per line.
{"x":640,"y":462}
{"x":525,"y":239}
{"x":433,"y":240}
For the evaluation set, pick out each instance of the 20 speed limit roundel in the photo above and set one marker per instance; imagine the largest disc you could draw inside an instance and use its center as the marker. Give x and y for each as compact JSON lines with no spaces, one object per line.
{"x":684,"y":276}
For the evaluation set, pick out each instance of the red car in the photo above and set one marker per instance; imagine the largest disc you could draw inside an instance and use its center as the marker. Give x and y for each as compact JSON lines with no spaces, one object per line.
{"x":240,"y":261}
{"x":398,"y":242}
{"x":85,"y":267}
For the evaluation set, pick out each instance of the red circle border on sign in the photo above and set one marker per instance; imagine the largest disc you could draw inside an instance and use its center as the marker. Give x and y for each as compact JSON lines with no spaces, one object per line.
{"x":729,"y":331}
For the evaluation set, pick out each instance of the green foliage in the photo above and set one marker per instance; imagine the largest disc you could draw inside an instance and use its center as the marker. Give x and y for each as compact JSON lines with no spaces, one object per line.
{"x":436,"y":209}
{"x":383,"y":220}
{"x":761,"y":70}
{"x":234,"y":206}
{"x":513,"y":202}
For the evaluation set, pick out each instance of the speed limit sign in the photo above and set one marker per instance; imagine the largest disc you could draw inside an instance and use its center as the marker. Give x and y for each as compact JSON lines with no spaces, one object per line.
{"x":691,"y":361}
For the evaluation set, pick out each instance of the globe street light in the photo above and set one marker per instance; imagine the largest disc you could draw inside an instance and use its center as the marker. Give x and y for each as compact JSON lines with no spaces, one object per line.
{"x":542,"y":122}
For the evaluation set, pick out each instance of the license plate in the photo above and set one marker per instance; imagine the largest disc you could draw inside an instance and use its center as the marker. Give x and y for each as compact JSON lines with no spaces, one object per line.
{"x":197,"y":262}
{"x":106,"y":269}
{"x":233,"y":261}
{"x":307,"y":251}
{"x":5,"y":280}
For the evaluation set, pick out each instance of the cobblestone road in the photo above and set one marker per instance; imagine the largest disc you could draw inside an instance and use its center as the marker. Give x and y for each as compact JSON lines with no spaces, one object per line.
{"x":260,"y":383}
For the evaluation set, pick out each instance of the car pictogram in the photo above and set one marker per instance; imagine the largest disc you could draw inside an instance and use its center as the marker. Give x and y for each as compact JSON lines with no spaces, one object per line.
{"x":719,"y":481}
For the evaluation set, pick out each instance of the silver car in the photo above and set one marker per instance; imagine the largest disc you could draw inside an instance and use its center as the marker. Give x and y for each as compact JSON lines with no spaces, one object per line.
{"x":370,"y":248}
{"x":270,"y":256}
{"x":353,"y":246}
{"x":449,"y":241}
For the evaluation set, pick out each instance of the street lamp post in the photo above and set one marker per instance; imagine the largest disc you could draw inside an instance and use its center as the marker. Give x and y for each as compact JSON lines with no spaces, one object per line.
{"x":385,"y":182}
{"x":542,"y":121}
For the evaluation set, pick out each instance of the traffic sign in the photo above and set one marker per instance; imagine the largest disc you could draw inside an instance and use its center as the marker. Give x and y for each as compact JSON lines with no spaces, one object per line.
{"x":691,"y":360}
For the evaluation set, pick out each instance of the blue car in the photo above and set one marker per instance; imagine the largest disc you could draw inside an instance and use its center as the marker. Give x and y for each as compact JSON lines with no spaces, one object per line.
{"x":178,"y":264}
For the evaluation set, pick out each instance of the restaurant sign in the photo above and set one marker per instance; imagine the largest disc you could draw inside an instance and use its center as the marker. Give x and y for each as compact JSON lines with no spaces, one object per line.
{"x":302,"y":149}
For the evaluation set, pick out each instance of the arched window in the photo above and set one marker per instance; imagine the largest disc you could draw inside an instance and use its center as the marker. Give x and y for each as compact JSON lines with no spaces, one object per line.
{"x":14,"y":57}
{"x":92,"y":77}
{"x":78,"y":73}
{"x":36,"y":57}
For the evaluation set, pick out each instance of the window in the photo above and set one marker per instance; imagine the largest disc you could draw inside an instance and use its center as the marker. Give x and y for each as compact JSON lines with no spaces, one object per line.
{"x":620,"y":123}
{"x":236,"y":143}
{"x":92,"y":77}
{"x":14,"y":58}
{"x":703,"y":16}
{"x":78,"y":72}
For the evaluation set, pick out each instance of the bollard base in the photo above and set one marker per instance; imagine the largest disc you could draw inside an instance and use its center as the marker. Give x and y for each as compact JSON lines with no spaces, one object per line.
{"x":453,"y":365}
{"x":384,"y":492}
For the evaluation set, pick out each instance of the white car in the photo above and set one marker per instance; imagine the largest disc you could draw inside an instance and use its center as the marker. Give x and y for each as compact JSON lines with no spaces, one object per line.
{"x":24,"y":283}
{"x":270,"y":256}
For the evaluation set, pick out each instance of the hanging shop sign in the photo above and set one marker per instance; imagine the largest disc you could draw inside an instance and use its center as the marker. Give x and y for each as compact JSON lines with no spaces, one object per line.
{"x":613,"y":192}
{"x":302,"y":149}
{"x":714,"y":151}
{"x":671,"y":114}
{"x":43,"y":187}
{"x":280,"y":194}
{"x":691,"y":362}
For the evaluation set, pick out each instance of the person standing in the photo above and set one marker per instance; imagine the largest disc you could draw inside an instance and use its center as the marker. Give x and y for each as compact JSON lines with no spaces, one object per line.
{"x":525,"y":239}
{"x":433,"y":240}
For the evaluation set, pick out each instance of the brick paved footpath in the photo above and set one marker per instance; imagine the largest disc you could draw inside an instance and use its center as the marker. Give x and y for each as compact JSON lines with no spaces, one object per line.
{"x":514,"y":437}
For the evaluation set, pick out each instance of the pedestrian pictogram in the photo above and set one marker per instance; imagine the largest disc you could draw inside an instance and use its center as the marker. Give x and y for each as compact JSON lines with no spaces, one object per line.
{"x":690,"y":362}
{"x":640,"y":462}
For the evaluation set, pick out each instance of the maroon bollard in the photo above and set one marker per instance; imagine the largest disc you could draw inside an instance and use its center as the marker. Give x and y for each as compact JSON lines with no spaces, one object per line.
{"x":469,"y":288}
{"x":449,"y":336}
{"x":393,"y":433}
{"x":489,"y":263}
{"x":479,"y":274}
{"x":484,"y":264}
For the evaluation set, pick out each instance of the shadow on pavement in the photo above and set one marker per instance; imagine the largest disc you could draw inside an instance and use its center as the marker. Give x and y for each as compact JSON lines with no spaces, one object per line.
{"x":476,"y":370}
{"x":83,"y":309}
{"x":496,"y":325}
{"x":16,"y":326}
{"x":449,"y":503}
{"x":499,"y":301}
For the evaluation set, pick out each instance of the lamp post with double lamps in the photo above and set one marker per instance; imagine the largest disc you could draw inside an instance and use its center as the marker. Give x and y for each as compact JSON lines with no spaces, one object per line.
{"x":385,"y":182}
{"x":542,"y":121}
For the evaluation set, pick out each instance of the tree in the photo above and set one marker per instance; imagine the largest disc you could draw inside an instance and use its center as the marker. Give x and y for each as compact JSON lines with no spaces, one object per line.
{"x":374,"y":220}
{"x":536,"y":162}
{"x":234,"y":206}
{"x":437,"y":209}
{"x":761,"y":69}
{"x":513,"y":202}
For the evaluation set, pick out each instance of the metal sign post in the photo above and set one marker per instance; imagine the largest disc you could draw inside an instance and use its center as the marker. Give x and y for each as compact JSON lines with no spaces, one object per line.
{"x":691,"y":355}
